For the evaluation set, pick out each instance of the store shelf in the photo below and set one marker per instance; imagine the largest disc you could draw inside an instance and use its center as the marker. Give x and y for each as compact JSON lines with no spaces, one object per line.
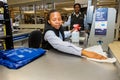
{"x":5,"y":27}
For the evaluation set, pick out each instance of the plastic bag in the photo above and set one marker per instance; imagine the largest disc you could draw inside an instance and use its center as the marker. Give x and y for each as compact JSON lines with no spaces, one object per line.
{"x":16,"y":58}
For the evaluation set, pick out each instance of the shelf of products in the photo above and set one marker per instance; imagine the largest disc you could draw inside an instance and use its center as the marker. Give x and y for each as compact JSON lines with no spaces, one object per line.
{"x":6,"y":39}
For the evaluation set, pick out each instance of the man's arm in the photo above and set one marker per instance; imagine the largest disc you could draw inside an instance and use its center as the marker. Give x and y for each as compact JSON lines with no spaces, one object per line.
{"x":67,"y":23}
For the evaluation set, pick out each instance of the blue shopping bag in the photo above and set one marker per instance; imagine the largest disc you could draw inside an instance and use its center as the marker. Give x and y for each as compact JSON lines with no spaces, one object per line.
{"x":16,"y":58}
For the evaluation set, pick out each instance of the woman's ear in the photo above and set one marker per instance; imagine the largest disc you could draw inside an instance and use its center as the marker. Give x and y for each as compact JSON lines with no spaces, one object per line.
{"x":49,"y":21}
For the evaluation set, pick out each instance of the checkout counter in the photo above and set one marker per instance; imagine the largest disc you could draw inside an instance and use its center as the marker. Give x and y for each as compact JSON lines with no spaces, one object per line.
{"x":21,"y":33}
{"x":20,"y":38}
{"x":114,"y":49}
{"x":55,"y":65}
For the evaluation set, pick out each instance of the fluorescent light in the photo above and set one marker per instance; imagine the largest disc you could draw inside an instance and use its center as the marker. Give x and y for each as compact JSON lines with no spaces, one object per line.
{"x":29,"y":12}
{"x":67,"y":9}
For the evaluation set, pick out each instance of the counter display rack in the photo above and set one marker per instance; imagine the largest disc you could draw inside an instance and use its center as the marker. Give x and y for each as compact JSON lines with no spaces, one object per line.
{"x":6,"y":39}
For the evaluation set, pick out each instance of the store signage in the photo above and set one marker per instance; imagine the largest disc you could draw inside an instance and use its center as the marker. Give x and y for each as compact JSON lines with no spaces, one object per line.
{"x":101,"y":21}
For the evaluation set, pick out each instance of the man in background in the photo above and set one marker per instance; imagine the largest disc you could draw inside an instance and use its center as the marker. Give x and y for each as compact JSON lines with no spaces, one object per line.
{"x":77,"y":17}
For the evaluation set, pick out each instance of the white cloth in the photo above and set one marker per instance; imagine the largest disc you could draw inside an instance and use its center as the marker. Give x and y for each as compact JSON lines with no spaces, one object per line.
{"x":99,"y":50}
{"x":61,"y":45}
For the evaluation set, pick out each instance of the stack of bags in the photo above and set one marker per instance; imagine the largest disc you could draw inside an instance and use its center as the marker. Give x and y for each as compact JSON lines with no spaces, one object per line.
{"x":16,"y":58}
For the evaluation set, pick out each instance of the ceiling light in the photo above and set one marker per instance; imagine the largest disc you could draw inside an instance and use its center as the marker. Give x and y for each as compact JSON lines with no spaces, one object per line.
{"x":67,"y":9}
{"x":29,"y":12}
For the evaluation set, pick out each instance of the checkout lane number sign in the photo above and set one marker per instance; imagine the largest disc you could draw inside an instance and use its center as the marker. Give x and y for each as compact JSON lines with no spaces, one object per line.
{"x":101,"y":21}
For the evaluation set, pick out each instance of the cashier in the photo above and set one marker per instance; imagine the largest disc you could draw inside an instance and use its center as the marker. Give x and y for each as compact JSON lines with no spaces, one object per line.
{"x":77,"y":17}
{"x":54,"y":37}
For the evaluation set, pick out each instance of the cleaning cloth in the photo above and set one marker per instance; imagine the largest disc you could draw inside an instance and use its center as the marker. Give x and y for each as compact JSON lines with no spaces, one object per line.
{"x":98,"y":49}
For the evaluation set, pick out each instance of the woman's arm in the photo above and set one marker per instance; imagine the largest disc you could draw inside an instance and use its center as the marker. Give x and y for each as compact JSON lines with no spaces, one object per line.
{"x":67,"y":47}
{"x":61,"y":45}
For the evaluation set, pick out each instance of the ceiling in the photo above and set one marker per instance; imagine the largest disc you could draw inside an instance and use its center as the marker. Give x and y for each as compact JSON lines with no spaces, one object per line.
{"x":20,"y":2}
{"x":59,"y":4}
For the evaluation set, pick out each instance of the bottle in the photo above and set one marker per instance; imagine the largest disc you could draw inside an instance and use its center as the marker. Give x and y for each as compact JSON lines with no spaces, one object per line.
{"x":75,"y":36}
{"x":75,"y":33}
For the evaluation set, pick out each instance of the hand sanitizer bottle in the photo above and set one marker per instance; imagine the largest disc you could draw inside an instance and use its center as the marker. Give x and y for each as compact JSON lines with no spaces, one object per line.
{"x":75,"y":36}
{"x":75,"y":33}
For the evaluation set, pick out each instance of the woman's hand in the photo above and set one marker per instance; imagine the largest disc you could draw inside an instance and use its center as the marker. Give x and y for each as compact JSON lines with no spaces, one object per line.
{"x":91,"y":54}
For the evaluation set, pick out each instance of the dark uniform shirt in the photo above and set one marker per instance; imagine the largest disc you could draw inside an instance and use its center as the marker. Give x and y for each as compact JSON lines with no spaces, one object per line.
{"x":77,"y":19}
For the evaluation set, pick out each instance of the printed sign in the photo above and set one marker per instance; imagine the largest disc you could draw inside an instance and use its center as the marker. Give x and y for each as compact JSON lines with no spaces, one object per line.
{"x":101,"y":21}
